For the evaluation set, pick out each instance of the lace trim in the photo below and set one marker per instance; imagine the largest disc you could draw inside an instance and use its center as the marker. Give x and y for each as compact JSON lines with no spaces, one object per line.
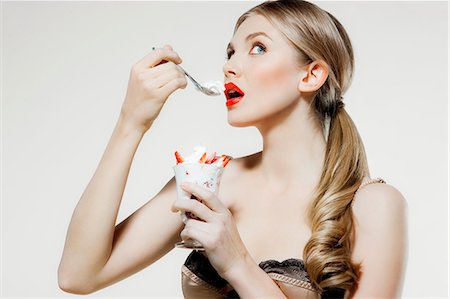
{"x":185,"y":270}
{"x":199,"y":264}
{"x":292,"y":281}
{"x":275,"y":276}
{"x":292,"y":267}
{"x":371,"y":181}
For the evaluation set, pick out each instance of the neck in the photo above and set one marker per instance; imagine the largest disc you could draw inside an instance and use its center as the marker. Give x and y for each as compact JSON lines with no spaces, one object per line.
{"x":293,"y":150}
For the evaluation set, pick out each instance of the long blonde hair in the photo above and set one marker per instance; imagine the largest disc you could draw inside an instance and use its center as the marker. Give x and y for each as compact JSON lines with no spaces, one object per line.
{"x":317,"y":35}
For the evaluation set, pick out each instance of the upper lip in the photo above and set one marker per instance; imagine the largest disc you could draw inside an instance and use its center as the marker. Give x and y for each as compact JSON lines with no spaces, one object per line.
{"x":230,"y":86}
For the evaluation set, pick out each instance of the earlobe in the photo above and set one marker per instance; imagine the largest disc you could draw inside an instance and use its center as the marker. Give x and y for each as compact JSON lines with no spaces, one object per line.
{"x":313,"y":76}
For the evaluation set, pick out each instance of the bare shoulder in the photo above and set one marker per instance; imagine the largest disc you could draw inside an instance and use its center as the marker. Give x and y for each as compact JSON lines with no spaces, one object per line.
{"x":243,"y":163}
{"x":236,"y":177}
{"x":378,"y":200}
{"x":379,"y":209}
{"x":238,"y":167}
{"x":380,"y":244}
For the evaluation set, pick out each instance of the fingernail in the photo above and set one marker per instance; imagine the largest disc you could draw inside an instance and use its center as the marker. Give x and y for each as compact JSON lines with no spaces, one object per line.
{"x":185,"y":185}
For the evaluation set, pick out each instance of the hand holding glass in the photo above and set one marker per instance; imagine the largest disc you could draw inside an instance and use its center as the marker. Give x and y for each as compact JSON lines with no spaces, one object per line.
{"x":205,"y":175}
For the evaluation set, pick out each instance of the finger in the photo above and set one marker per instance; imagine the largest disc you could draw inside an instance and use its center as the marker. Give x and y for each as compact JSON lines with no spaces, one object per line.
{"x":207,"y":196}
{"x":195,"y":207}
{"x":196,"y":230}
{"x":157,"y":56}
{"x":161,"y":81}
{"x":160,"y":78}
{"x":159,"y":70}
{"x":173,"y":85}
{"x":167,"y":47}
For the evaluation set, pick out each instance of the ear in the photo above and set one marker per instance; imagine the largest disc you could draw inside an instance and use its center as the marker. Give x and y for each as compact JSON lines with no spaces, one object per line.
{"x":313,"y":76}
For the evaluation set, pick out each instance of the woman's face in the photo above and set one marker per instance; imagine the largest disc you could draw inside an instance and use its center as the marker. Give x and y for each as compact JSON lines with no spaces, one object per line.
{"x":265,"y":68}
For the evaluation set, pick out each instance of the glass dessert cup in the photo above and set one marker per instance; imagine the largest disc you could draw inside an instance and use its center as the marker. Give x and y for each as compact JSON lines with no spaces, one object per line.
{"x":205,"y":175}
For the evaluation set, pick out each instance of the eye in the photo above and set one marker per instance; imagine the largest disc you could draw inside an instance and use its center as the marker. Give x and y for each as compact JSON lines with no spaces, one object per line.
{"x":258,"y":49}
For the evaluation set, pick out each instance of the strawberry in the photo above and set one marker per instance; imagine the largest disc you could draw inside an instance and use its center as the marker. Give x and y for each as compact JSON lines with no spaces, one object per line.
{"x":226,"y":159}
{"x":225,"y":162}
{"x":178,"y":157}
{"x":203,"y":158}
{"x":209,"y":160}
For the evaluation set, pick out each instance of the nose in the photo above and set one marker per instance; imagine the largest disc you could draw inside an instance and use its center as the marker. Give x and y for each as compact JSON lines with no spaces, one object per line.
{"x":231,"y":70}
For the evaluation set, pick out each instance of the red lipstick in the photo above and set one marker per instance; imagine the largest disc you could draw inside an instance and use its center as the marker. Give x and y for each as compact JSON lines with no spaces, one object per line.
{"x":233,"y":94}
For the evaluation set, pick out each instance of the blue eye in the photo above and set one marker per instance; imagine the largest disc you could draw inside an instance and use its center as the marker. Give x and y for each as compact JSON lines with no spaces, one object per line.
{"x":258,"y":49}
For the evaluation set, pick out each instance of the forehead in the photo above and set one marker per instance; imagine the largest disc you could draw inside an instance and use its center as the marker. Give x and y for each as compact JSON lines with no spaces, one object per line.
{"x":255,"y":23}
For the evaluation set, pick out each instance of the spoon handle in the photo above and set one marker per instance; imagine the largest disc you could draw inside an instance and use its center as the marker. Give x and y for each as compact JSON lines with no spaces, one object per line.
{"x":197,"y":85}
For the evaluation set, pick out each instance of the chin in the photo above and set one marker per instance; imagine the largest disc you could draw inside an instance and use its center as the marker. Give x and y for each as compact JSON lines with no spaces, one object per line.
{"x":238,"y":124}
{"x":265,"y":113}
{"x":240,"y":120}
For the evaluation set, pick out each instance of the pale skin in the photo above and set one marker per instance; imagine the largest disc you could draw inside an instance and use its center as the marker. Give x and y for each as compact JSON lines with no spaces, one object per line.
{"x":282,"y":176}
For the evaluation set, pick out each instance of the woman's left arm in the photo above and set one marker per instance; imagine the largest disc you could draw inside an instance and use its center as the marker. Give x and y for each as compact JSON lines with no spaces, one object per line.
{"x":223,"y":246}
{"x":380,"y":245}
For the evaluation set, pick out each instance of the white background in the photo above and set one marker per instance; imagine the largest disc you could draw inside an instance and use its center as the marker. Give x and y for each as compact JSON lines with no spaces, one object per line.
{"x":65,"y":73}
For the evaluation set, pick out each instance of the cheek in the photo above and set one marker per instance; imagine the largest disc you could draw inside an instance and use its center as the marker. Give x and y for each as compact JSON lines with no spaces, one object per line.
{"x":272,"y":88}
{"x":273,"y":80}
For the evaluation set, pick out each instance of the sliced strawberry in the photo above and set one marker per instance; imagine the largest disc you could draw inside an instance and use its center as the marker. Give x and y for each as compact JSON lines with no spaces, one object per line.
{"x":208,"y":161}
{"x":218,"y":160}
{"x":221,"y":159}
{"x":203,"y":158}
{"x":178,"y":157}
{"x":225,"y":162}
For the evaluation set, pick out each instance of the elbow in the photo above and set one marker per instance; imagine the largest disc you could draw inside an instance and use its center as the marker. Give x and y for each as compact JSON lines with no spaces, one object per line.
{"x":73,"y":288}
{"x":72,"y":285}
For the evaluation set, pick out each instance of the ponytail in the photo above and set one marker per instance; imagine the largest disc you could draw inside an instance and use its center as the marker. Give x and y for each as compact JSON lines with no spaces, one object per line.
{"x":328,"y":252}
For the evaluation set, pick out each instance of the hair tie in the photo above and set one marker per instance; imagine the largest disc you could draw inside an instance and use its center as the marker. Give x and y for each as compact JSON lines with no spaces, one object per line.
{"x":335,"y":107}
{"x":339,"y":103}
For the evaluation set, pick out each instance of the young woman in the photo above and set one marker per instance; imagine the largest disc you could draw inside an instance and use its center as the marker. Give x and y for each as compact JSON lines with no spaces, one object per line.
{"x":300,"y":219}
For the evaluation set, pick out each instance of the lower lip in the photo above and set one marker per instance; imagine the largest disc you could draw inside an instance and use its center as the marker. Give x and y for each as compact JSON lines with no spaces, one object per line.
{"x":233,"y":101}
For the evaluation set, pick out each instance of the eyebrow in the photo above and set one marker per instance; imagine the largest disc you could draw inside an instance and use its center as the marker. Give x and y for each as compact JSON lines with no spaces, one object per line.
{"x":249,"y":37}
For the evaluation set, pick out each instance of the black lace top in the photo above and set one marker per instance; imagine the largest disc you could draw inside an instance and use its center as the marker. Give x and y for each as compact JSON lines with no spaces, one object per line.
{"x":291,"y":271}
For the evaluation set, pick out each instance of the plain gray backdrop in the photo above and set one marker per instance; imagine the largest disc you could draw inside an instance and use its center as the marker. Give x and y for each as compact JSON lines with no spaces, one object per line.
{"x":65,"y":72}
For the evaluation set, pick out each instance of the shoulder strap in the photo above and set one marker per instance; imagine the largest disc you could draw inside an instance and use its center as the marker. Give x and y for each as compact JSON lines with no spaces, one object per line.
{"x":371,"y":181}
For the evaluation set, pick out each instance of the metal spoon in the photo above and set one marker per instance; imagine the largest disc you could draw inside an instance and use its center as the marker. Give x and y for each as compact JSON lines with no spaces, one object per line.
{"x":211,"y":90}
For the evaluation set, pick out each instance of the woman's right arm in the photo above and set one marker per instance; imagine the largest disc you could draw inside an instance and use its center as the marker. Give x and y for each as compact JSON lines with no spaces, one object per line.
{"x":97,"y":253}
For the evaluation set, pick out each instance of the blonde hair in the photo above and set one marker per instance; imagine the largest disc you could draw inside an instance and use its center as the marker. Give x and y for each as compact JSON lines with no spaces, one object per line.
{"x":317,"y":35}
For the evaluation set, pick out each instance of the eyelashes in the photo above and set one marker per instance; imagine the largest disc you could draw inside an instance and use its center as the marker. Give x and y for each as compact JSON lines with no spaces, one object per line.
{"x":230,"y":52}
{"x":261,"y":46}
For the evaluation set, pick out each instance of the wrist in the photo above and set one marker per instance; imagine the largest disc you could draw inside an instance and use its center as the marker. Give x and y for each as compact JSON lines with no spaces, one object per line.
{"x":250,"y":281}
{"x":239,"y":269}
{"x":125,"y":128}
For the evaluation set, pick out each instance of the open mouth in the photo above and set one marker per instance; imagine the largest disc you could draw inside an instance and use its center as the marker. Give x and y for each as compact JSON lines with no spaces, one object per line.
{"x":233,"y":94}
